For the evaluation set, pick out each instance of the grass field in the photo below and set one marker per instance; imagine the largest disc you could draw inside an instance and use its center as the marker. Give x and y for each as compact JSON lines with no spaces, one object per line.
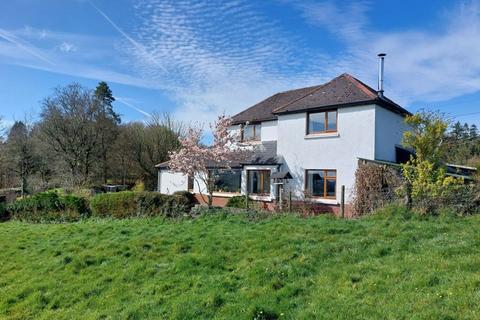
{"x":229,"y":267}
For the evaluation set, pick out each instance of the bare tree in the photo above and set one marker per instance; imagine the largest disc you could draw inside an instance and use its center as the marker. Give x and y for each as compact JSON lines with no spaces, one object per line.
{"x":152,"y":142}
{"x":68,"y":127}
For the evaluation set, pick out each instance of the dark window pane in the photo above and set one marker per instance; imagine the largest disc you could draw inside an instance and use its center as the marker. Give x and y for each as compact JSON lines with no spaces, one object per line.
{"x":248,"y":132}
{"x":258,"y":181}
{"x":331,"y":186}
{"x":316,"y":183}
{"x":258,"y":132}
{"x":332,"y":120}
{"x":316,"y":122}
{"x":331,"y":173}
{"x":227,"y":180}
{"x":266,"y":182}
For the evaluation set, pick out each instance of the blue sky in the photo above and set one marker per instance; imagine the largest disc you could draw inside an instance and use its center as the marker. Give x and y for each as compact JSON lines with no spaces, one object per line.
{"x":197,"y":59}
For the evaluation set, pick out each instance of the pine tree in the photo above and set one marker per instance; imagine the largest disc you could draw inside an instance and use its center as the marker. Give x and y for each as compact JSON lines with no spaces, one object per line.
{"x":107,"y":125}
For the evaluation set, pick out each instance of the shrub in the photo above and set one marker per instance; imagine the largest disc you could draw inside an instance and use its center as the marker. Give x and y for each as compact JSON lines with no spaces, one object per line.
{"x":375,"y":187}
{"x":237,"y":202}
{"x":3,"y":213}
{"x":115,"y":205}
{"x":153,"y":203}
{"x":49,"y":207}
{"x":143,"y":204}
{"x":428,"y":186}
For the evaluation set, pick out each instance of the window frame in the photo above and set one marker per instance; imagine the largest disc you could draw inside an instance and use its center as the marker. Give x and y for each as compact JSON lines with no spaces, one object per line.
{"x":307,"y":127}
{"x":232,"y":170}
{"x":325,"y":179}
{"x":256,"y":136}
{"x":262,"y":171}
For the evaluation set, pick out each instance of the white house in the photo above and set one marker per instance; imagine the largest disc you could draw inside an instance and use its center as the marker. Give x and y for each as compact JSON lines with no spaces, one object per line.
{"x":316,"y":134}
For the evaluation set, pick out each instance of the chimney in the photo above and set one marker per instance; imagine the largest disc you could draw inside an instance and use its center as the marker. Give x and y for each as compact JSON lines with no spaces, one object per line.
{"x":381,"y":57}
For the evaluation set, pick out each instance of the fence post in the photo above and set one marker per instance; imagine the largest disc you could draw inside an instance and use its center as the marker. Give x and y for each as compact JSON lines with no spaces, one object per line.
{"x":290,"y":201}
{"x":342,"y":202}
{"x":246,"y":200}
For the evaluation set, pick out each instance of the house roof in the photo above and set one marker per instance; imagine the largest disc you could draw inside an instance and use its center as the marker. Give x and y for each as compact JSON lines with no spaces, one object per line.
{"x":342,"y":91}
{"x":264,"y":153}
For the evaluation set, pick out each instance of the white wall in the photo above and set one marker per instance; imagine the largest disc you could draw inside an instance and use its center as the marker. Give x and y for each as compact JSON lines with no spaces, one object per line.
{"x":170,"y":182}
{"x":340,"y":151}
{"x":389,"y":129}
{"x":269,"y":130}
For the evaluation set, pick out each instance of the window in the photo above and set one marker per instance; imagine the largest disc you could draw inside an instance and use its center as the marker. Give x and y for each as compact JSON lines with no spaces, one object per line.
{"x":322,"y":122}
{"x":227,"y":180}
{"x":258,"y":182}
{"x":251,"y":132}
{"x":321,"y":183}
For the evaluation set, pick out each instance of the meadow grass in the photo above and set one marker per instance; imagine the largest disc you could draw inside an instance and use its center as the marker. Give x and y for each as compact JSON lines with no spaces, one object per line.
{"x":229,"y":267}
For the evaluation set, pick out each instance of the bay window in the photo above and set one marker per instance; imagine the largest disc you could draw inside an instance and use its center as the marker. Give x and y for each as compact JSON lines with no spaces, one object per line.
{"x":227,"y":180}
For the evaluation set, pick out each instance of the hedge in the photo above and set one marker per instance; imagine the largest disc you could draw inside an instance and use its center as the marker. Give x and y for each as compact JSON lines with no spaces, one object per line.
{"x":48,"y":207}
{"x":143,"y":204}
{"x":237,"y":202}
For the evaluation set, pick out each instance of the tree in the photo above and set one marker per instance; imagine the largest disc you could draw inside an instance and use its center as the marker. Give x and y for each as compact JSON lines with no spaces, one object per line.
{"x":427,"y":136}
{"x":425,"y":173}
{"x":68,"y":127}
{"x":151,"y":144}
{"x":473,"y":132}
{"x":195,"y":159}
{"x":107,"y":122}
{"x":21,"y":155}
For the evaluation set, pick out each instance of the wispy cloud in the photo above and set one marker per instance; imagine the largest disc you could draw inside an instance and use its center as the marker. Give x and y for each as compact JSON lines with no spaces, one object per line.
{"x":141,"y":49}
{"x":128,"y":103}
{"x":67,"y":47}
{"x":421,"y":65}
{"x":23,"y":46}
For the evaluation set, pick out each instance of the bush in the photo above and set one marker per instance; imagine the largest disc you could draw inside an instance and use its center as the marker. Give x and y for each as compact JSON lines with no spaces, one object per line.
{"x":143,"y":204}
{"x":49,"y":207}
{"x":3,"y":213}
{"x":115,"y":205}
{"x":237,"y":202}
{"x":375,"y":187}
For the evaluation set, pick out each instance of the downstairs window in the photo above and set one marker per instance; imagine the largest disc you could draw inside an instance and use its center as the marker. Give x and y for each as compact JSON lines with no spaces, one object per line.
{"x":321,"y":183}
{"x":258,"y":182}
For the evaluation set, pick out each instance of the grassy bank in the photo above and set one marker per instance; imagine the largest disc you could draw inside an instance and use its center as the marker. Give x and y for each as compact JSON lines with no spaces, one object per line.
{"x":234,"y":268}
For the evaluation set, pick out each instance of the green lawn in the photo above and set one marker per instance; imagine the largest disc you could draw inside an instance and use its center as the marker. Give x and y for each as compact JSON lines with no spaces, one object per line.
{"x":233,"y":268}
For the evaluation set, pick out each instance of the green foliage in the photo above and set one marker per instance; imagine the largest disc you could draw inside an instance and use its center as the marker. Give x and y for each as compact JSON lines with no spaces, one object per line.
{"x":139,"y":186}
{"x":143,"y":204}
{"x":427,"y":136}
{"x":428,"y":186}
{"x":224,"y":267}
{"x":237,"y":202}
{"x":49,"y":207}
{"x":115,"y":205}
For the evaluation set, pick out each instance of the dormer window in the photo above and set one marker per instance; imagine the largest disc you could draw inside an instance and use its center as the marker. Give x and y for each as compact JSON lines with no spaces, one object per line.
{"x":322,"y":122}
{"x":252,"y":132}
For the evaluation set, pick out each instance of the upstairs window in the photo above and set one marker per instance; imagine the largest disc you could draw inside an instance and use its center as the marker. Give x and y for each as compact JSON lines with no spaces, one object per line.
{"x":252,"y":132}
{"x":322,"y":122}
{"x":321,"y":183}
{"x":258,"y":182}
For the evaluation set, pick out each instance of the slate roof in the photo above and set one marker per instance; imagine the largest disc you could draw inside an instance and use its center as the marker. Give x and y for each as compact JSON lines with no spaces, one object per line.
{"x":264,"y":153}
{"x":342,"y":91}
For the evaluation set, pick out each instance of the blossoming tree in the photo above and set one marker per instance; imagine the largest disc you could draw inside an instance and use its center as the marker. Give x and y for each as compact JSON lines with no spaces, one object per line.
{"x":195,"y":159}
